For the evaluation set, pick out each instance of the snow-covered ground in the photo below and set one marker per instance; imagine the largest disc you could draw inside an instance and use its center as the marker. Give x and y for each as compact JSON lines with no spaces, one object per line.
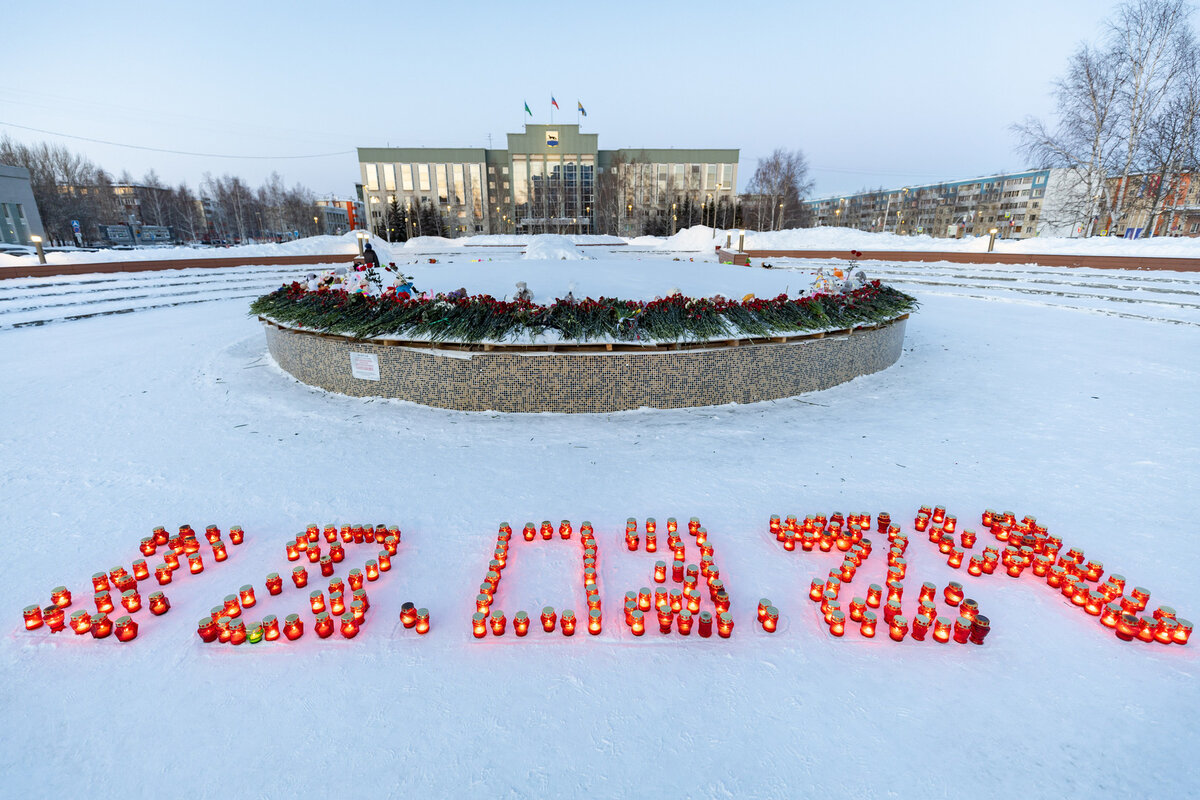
{"x":1065,"y":394}
{"x":697,"y":239}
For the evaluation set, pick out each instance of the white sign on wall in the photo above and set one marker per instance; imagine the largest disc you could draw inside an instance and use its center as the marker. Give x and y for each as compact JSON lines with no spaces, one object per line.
{"x":364,"y":366}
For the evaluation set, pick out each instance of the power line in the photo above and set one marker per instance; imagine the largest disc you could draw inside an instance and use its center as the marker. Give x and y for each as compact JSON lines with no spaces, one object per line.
{"x":173,"y":152}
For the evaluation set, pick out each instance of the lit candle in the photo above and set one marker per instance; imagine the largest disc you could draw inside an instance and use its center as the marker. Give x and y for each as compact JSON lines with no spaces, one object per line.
{"x":548,"y":618}
{"x":1183,"y":631}
{"x":665,"y":619}
{"x":408,"y":615}
{"x":131,"y":600}
{"x":479,"y":625}
{"x":637,"y":622}
{"x":81,"y":622}
{"x":293,"y":627}
{"x":422,"y":621}
{"x":126,"y":629}
{"x":920,"y":626}
{"x":898,"y":628}
{"x":953,"y":593}
{"x":837,"y":623}
{"x":159,"y":604}
{"x":270,"y":626}
{"x":237,"y":631}
{"x":969,"y":608}
{"x":337,"y":603}
{"x":316,"y":599}
{"x":349,"y":626}
{"x":770,"y":620}
{"x":60,"y":596}
{"x":962,"y":629}
{"x":195,"y":563}
{"x":237,"y":535}
{"x":683,"y":622}
{"x":529,"y":531}
{"x":55,"y":618}
{"x":33,"y":616}
{"x":858,"y":607}
{"x":293,"y":552}
{"x":103,"y":601}
{"x":207,"y":630}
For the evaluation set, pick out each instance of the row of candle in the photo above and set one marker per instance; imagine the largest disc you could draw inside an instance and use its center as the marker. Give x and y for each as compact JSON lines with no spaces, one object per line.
{"x":184,"y":544}
{"x":681,"y":622}
{"x":678,"y":608}
{"x":346,"y":618}
{"x":1030,"y":546}
{"x":486,"y":618}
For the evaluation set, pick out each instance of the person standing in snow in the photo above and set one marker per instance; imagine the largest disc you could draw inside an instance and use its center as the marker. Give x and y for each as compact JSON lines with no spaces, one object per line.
{"x":370,"y":256}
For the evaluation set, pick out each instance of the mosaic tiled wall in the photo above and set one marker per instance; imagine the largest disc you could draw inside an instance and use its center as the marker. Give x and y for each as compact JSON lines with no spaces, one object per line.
{"x":568,"y":382}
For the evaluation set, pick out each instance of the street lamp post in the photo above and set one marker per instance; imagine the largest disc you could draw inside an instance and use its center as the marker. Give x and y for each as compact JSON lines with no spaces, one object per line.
{"x":992,"y":239}
{"x":41,"y":254}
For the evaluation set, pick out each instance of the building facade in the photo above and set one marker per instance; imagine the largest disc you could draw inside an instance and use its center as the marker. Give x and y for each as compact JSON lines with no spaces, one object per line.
{"x":1155,"y":206}
{"x":1018,"y":205}
{"x":19,"y":218}
{"x":550,"y":179}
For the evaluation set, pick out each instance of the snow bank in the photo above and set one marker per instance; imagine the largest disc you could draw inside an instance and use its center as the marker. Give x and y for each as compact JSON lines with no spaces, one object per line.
{"x":548,"y":247}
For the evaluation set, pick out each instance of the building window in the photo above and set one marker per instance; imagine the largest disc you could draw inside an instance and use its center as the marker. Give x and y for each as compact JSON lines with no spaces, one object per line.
{"x":406,"y":177}
{"x":423,"y":178}
{"x":1195,"y":227}
{"x":389,"y":177}
{"x":442,"y":188}
{"x":372,"y":176}
{"x":459,"y":190}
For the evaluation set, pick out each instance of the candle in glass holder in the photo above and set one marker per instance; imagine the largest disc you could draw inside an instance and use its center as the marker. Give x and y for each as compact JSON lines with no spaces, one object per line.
{"x":103,"y":601}
{"x":499,"y":623}
{"x":683,"y":622}
{"x":705,"y":624}
{"x":293,"y":627}
{"x":479,"y":624}
{"x":566,"y":622}
{"x":549,"y":619}
{"x":725,"y":625}
{"x":219,"y":552}
{"x":349,"y":626}
{"x":81,"y":622}
{"x":637,"y":622}
{"x":665,"y":619}
{"x":837,"y":622}
{"x":953,"y":594}
{"x":867,"y":624}
{"x":293,"y":551}
{"x":126,"y":629}
{"x":274,"y":583}
{"x":131,"y":600}
{"x":207,"y":630}
{"x":33,"y":616}
{"x":371,"y":568}
{"x":270,"y":626}
{"x":920,"y":626}
{"x":159,"y":604}
{"x":316,"y":600}
{"x":237,"y":631}
{"x":195,"y":563}
{"x":962,"y":629}
{"x":1182,"y":632}
{"x":300,"y":577}
{"x":422,"y":621}
{"x":898,"y":628}
{"x":980,"y":626}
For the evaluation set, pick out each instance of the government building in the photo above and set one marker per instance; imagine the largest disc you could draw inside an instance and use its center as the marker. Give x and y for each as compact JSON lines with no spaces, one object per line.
{"x":551,"y":179}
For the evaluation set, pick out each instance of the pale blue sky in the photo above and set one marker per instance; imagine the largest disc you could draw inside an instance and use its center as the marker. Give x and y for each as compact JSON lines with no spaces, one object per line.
{"x":874,"y":92}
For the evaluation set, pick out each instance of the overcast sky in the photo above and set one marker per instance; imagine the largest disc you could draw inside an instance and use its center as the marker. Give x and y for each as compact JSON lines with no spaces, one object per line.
{"x":874,"y":92}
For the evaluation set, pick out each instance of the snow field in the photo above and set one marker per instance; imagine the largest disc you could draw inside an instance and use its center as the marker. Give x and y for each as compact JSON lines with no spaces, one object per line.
{"x":1059,"y":407}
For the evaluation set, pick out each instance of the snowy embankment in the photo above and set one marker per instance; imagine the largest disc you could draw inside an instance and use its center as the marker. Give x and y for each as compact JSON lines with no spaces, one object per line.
{"x":697,"y":239}
{"x":1063,"y":394}
{"x":700,"y":238}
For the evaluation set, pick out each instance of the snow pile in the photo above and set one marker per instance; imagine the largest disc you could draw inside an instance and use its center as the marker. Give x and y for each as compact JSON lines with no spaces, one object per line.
{"x":549,"y":247}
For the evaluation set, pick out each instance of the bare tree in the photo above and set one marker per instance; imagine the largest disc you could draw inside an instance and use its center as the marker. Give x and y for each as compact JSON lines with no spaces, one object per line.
{"x":1086,"y":140}
{"x":779,"y":184}
{"x":1151,"y":40}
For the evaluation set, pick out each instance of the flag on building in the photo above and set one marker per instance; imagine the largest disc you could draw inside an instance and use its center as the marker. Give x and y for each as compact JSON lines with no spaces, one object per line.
{"x":527,"y":111}
{"x":581,"y":108}
{"x":554,"y":102}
